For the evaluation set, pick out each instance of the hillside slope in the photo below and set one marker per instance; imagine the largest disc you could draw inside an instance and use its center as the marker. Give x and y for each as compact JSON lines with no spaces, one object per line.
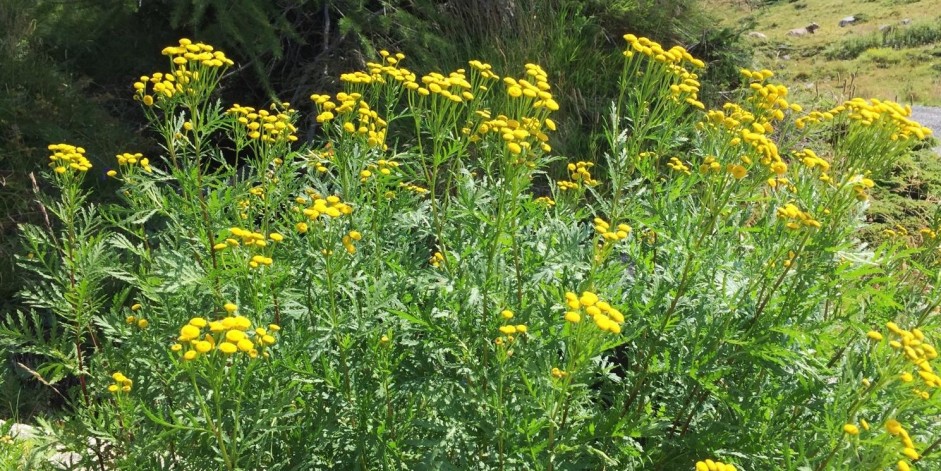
{"x":891,"y":51}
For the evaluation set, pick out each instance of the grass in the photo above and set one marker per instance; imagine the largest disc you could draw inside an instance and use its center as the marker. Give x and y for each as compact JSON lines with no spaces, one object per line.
{"x":857,"y":60}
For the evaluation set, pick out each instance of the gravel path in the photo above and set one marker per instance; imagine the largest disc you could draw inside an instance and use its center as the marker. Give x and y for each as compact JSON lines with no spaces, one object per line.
{"x":930,"y":117}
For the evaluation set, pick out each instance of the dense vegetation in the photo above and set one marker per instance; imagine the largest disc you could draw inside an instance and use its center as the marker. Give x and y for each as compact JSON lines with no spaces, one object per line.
{"x":410,"y":268}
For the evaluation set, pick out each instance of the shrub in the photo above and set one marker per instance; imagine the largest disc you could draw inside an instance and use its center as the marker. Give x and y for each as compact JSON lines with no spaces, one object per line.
{"x":414,"y":293}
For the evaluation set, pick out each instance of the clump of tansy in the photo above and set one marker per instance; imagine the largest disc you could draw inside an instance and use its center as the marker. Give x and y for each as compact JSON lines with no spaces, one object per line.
{"x":329,"y":207}
{"x":349,"y":239}
{"x":121,"y":383}
{"x":68,"y":157}
{"x":895,"y":428}
{"x":436,"y":260}
{"x":914,"y":345}
{"x":508,"y":329}
{"x":606,"y":317}
{"x":710,"y":465}
{"x":130,"y":160}
{"x":228,"y":336}
{"x":604,"y":229}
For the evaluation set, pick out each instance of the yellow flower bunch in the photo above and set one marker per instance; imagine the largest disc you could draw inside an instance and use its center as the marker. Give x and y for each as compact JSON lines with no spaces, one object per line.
{"x":559,"y":374}
{"x":860,"y":184}
{"x":869,"y":112}
{"x":140,"y":322}
{"x":604,"y":230}
{"x":678,"y":165}
{"x":795,"y":218}
{"x":163,"y":86}
{"x":190,"y":54}
{"x":436,"y":259}
{"x":895,"y":428}
{"x":686,"y":85}
{"x":134,"y":159}
{"x":454,"y":87}
{"x":545,"y":201}
{"x":330,"y":207}
{"x":382,"y":166}
{"x":121,"y":383}
{"x":535,"y":87}
{"x":274,"y":125}
{"x":710,"y":465}
{"x":355,"y":115}
{"x":652,"y":49}
{"x":579,"y":173}
{"x":390,"y":67}
{"x":195,"y":67}
{"x":68,"y":157}
{"x":485,"y":70}
{"x":229,"y":335}
{"x":768,"y":97}
{"x":918,"y":351}
{"x":418,"y":190}
{"x":606,"y":317}
{"x":519,"y":135}
{"x":348,"y":241}
{"x":508,"y":329}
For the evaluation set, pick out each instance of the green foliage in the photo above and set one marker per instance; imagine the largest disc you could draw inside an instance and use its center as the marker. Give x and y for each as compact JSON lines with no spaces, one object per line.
{"x":896,"y":37}
{"x":417,"y":293}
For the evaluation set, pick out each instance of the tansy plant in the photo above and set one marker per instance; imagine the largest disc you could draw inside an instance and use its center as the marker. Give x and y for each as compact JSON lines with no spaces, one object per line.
{"x":414,"y":289}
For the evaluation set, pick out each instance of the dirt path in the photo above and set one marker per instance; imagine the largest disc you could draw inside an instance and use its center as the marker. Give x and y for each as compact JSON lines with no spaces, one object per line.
{"x":930,"y":117}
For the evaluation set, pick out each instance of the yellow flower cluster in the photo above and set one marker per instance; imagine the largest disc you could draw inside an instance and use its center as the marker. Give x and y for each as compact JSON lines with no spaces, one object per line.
{"x":139,"y":321}
{"x":356,"y":117}
{"x":678,"y":165}
{"x":579,"y":174}
{"x":133,"y":159}
{"x":331,"y":207}
{"x":485,"y":70}
{"x":164,"y":86}
{"x":768,"y":97}
{"x":348,"y":241}
{"x":250,"y":239}
{"x":895,"y":428}
{"x":559,"y":374}
{"x":607,"y":318}
{"x":274,"y":125}
{"x":919,"y":352}
{"x":382,"y":166}
{"x":795,"y":217}
{"x":436,"y":259}
{"x":509,"y":330}
{"x":674,"y":61}
{"x":676,"y":55}
{"x":872,"y":112}
{"x":454,"y":87}
{"x":545,"y":201}
{"x":121,"y":383}
{"x":811,"y":160}
{"x":604,"y":230}
{"x":390,"y":66}
{"x":869,"y":112}
{"x":235,"y":334}
{"x":190,"y":54}
{"x":860,"y":184}
{"x":534,"y":87}
{"x":709,"y":465}
{"x":67,"y":156}
{"x":519,"y":135}
{"x":414,"y":188}
{"x":749,"y":129}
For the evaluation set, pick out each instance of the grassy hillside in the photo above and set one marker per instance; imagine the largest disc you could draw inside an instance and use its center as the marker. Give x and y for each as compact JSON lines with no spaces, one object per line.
{"x":893,"y":51}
